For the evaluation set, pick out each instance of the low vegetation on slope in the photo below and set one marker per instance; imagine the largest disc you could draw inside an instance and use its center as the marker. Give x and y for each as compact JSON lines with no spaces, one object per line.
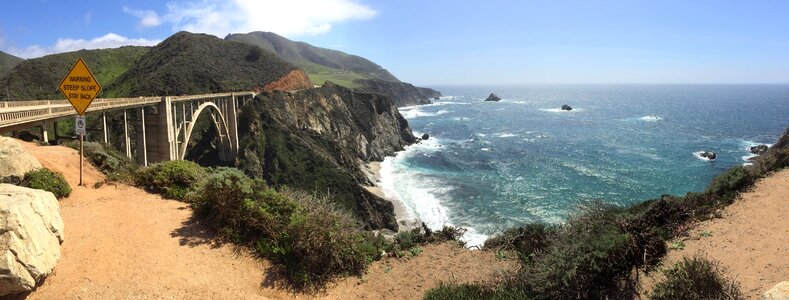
{"x":598,"y":252}
{"x":8,"y":62}
{"x":39,"y":78}
{"x":188,"y":63}
{"x":309,"y":238}
{"x":321,"y":64}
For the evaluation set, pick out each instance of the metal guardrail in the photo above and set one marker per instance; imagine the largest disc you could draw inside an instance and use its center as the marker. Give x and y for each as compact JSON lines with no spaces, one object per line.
{"x":13,"y":113}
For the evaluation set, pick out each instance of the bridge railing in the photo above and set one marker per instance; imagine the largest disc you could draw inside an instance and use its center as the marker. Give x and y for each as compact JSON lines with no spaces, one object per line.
{"x":14,"y":113}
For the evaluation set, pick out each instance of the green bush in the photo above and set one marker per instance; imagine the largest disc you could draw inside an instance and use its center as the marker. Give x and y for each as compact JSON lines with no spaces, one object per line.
{"x":44,"y":179}
{"x":732,"y":181}
{"x":173,"y":179}
{"x":311,"y":240}
{"x":696,"y":278}
{"x":528,"y":241}
{"x":109,"y":161}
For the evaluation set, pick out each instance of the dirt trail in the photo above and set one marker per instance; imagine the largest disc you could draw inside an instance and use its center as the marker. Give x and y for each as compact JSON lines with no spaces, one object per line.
{"x":121,"y":242}
{"x":752,"y":238}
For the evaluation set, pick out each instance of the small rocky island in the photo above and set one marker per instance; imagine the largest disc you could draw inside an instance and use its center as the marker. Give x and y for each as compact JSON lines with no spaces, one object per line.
{"x":708,"y":155}
{"x":566,"y":107}
{"x":493,"y":97}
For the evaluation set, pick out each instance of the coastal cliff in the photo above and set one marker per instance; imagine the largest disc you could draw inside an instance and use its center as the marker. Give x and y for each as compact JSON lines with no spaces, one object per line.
{"x":402,"y":93}
{"x":317,"y":139}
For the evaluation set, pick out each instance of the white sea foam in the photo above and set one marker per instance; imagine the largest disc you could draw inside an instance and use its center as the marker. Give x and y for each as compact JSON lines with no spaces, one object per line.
{"x":650,"y":118}
{"x":417,"y":112}
{"x":505,"y":134}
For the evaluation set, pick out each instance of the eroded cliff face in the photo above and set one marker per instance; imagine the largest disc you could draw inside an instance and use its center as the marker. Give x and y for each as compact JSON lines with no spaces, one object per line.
{"x":316,"y":140}
{"x":294,"y":80}
{"x":401,"y":93}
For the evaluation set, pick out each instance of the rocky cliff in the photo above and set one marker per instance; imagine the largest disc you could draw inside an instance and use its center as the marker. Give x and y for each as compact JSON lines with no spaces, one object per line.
{"x":402,"y":93}
{"x":316,"y":140}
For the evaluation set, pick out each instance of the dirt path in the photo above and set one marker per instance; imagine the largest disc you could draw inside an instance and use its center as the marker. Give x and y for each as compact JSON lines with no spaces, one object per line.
{"x":121,"y":242}
{"x":752,"y":238}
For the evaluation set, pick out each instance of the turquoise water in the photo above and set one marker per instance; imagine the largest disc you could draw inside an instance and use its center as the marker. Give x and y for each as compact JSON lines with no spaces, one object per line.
{"x":492,"y":165}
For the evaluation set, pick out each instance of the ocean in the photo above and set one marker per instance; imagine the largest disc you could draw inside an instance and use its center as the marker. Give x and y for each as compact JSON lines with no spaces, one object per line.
{"x":488,"y":166}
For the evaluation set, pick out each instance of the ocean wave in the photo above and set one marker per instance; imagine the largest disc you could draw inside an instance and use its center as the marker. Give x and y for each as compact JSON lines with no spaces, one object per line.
{"x":437,"y":103}
{"x":650,"y":118}
{"x":417,"y":113}
{"x":505,"y":134}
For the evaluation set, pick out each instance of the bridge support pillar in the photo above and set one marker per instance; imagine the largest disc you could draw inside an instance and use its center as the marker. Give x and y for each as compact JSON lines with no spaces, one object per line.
{"x":232,"y":122}
{"x":126,"y":140}
{"x":44,"y":134}
{"x":142,"y":140}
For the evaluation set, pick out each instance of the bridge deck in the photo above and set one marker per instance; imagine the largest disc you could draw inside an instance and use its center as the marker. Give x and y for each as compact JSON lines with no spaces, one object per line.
{"x":16,"y":114}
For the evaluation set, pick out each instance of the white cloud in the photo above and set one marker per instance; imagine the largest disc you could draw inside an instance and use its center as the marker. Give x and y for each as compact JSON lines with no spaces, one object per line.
{"x":110,"y":40}
{"x":288,"y":18}
{"x":148,"y":18}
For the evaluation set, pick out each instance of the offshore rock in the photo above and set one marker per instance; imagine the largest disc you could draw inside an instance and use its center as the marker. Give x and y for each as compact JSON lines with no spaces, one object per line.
{"x":14,"y":161}
{"x":566,"y":107}
{"x":708,"y":154}
{"x":425,"y":136}
{"x":31,"y":231}
{"x":493,"y":97}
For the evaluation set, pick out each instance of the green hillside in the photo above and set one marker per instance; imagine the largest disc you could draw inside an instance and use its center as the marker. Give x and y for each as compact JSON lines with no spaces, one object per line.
{"x":188,"y":63}
{"x":321,"y":64}
{"x":39,"y":78}
{"x":8,"y":62}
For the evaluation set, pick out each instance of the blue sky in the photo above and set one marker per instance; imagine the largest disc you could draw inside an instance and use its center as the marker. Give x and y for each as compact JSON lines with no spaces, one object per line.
{"x":453,"y":42}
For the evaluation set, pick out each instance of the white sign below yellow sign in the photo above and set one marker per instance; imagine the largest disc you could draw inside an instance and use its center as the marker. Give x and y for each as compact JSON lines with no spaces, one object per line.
{"x":80,"y":86}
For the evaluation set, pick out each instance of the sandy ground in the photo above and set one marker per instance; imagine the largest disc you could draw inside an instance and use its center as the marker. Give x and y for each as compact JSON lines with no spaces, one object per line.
{"x":751,"y":239}
{"x":121,"y":243}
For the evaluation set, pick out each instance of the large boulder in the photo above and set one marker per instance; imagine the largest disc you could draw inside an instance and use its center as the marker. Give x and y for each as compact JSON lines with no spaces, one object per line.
{"x":759,"y":149}
{"x":778,"y":292}
{"x":14,"y":161}
{"x":31,"y":231}
{"x":566,"y":107}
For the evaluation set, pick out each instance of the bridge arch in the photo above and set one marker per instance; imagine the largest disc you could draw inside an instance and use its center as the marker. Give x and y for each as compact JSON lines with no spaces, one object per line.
{"x":220,"y":125}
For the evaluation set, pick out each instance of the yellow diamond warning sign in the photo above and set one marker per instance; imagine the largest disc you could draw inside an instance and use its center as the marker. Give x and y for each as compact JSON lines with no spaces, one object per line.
{"x":80,"y":86}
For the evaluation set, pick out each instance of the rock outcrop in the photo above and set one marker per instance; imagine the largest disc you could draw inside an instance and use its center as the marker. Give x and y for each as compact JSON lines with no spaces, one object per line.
{"x":31,"y":231}
{"x":14,"y":161}
{"x":779,"y":292}
{"x":566,"y":107}
{"x":425,"y":136}
{"x":759,"y":149}
{"x":316,"y":140}
{"x":401,"y":93}
{"x":493,"y":97}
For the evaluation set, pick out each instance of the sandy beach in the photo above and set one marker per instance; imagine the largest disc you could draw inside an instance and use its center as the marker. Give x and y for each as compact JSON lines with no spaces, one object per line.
{"x":373,"y":171}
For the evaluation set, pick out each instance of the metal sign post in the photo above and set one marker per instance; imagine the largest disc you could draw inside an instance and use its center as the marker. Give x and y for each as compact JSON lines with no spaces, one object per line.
{"x":80,"y":88}
{"x":79,"y":129}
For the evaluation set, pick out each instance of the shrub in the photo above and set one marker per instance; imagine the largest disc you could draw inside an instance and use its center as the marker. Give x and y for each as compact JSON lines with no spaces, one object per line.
{"x":310,"y":239}
{"x":108,"y":160}
{"x":173,"y":179}
{"x":44,"y":179}
{"x":696,"y":278}
{"x":528,"y":241}
{"x":734,"y":180}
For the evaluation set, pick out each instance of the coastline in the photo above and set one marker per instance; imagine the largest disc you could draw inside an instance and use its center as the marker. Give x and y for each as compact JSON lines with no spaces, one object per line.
{"x":405,"y":220}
